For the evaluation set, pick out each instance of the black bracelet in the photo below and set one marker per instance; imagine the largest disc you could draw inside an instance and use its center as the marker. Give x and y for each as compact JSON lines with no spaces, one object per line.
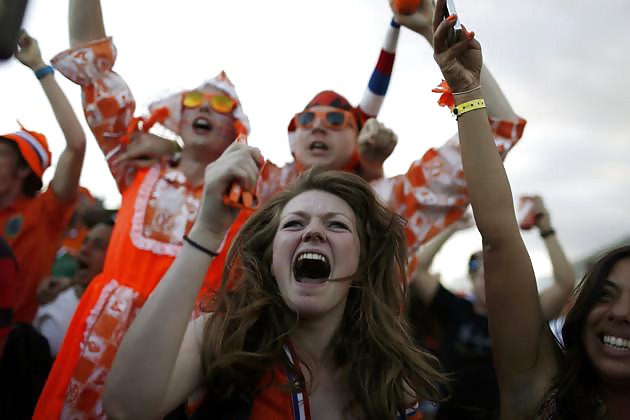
{"x":199,"y":247}
{"x":546,"y":233}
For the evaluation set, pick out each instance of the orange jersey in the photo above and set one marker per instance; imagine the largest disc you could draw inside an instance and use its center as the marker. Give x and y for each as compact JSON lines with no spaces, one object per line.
{"x":34,"y":228}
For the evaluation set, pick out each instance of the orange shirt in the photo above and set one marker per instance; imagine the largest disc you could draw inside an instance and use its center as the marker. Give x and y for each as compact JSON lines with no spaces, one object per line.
{"x":34,"y":228}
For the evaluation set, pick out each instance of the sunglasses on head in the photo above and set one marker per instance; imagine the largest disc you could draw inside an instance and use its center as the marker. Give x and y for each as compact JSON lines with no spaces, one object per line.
{"x":219,"y":103}
{"x":334,"y":120}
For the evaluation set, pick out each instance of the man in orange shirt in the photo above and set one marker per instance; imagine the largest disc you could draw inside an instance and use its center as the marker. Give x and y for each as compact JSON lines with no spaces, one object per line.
{"x":33,"y":222}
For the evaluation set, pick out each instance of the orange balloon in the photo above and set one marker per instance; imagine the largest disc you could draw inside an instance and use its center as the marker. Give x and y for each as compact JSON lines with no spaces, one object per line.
{"x":406,"y":7}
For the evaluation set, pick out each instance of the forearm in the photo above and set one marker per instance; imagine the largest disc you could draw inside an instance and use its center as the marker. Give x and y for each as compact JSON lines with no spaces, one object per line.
{"x":555,"y":297}
{"x":497,"y":103}
{"x":430,"y":249}
{"x":149,"y":351}
{"x":371,"y":172}
{"x":490,"y":192}
{"x":563,"y":272}
{"x":66,"y":118}
{"x":85,"y":22}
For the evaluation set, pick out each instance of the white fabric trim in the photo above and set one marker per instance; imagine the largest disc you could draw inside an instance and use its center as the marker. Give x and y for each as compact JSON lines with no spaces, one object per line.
{"x":37,"y":146}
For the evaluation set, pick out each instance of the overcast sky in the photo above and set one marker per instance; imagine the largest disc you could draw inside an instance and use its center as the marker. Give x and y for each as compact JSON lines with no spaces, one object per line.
{"x":564,"y":69}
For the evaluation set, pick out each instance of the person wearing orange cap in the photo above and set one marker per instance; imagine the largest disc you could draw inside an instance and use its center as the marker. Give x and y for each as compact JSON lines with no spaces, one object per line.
{"x":33,"y":222}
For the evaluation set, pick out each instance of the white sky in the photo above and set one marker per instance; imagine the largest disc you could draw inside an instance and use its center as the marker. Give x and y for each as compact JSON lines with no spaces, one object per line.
{"x":564,"y":69}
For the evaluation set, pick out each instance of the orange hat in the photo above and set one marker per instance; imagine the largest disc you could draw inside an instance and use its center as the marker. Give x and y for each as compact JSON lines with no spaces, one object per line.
{"x":34,"y":149}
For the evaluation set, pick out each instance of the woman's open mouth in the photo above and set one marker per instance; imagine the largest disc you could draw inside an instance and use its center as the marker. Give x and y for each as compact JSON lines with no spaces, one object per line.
{"x":311,"y":267}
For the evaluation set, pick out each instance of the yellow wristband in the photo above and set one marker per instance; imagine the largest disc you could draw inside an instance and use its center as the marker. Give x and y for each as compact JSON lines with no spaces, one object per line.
{"x":468,"y":106}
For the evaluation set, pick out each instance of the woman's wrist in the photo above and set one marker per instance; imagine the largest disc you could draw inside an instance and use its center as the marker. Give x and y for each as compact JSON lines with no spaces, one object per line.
{"x":205,"y":238}
{"x":469,"y":95}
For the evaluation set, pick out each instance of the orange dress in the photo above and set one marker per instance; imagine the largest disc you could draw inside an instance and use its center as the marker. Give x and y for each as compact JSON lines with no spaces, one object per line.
{"x":34,"y":228}
{"x":158,"y":206}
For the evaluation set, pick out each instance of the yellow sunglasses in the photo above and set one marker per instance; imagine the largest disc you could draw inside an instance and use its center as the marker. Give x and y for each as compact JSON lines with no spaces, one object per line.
{"x":219,"y":103}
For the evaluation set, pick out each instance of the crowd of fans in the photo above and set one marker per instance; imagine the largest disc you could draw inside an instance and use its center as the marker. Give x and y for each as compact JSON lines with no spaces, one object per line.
{"x":226,"y":286}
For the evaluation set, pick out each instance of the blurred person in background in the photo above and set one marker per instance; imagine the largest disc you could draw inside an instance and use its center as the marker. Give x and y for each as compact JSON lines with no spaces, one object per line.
{"x":53,"y":318}
{"x":32,"y":222}
{"x":466,"y":349}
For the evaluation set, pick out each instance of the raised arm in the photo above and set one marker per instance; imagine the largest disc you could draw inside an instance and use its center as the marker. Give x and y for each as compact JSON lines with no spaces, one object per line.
{"x":159,"y":361}
{"x":498,"y":106}
{"x":85,"y":22}
{"x":65,"y":182}
{"x":108,"y":103}
{"x":425,"y":283}
{"x":373,"y":154}
{"x":555,"y":297}
{"x":522,"y":347}
{"x":433,"y":193}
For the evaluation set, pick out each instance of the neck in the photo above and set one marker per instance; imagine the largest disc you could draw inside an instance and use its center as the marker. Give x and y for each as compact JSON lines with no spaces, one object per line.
{"x":617,"y":401}
{"x":14,"y":193}
{"x":313,"y":339}
{"x":193,"y":163}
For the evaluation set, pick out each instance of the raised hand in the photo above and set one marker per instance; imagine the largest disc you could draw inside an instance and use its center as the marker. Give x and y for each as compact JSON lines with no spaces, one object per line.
{"x":376,"y":143}
{"x":240,"y":163}
{"x":418,"y":21}
{"x":461,"y":62}
{"x":543,"y":219}
{"x":28,"y":51}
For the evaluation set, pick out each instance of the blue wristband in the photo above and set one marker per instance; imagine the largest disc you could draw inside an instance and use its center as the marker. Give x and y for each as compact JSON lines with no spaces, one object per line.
{"x":43,"y":72}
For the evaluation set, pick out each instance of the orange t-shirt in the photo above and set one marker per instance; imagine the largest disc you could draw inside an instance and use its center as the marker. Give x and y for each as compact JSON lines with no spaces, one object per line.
{"x":34,"y":228}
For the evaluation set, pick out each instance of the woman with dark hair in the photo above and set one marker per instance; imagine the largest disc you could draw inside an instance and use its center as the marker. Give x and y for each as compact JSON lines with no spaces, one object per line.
{"x":588,"y":378}
{"x":310,"y":318}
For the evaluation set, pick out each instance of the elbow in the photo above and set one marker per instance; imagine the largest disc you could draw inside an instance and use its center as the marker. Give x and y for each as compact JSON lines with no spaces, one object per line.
{"x":78,"y":143}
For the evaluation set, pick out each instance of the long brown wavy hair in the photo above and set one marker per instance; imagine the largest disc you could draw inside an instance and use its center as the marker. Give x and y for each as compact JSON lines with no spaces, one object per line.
{"x":576,"y":390}
{"x":383,"y":370}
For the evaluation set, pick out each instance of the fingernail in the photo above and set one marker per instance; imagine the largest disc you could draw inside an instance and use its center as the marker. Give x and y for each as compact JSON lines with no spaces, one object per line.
{"x":451,"y":18}
{"x":470,"y":35}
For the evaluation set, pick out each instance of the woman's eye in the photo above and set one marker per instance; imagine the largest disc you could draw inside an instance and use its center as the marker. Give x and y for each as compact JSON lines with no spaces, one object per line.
{"x":292,"y":224}
{"x":606,"y":294}
{"x":338,"y":225}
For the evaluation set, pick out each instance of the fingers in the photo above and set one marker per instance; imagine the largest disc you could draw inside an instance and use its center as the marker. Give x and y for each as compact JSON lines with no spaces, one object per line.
{"x":22,"y":37}
{"x":438,"y":14}
{"x":441,"y":32}
{"x":459,"y":47}
{"x":239,"y":161}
